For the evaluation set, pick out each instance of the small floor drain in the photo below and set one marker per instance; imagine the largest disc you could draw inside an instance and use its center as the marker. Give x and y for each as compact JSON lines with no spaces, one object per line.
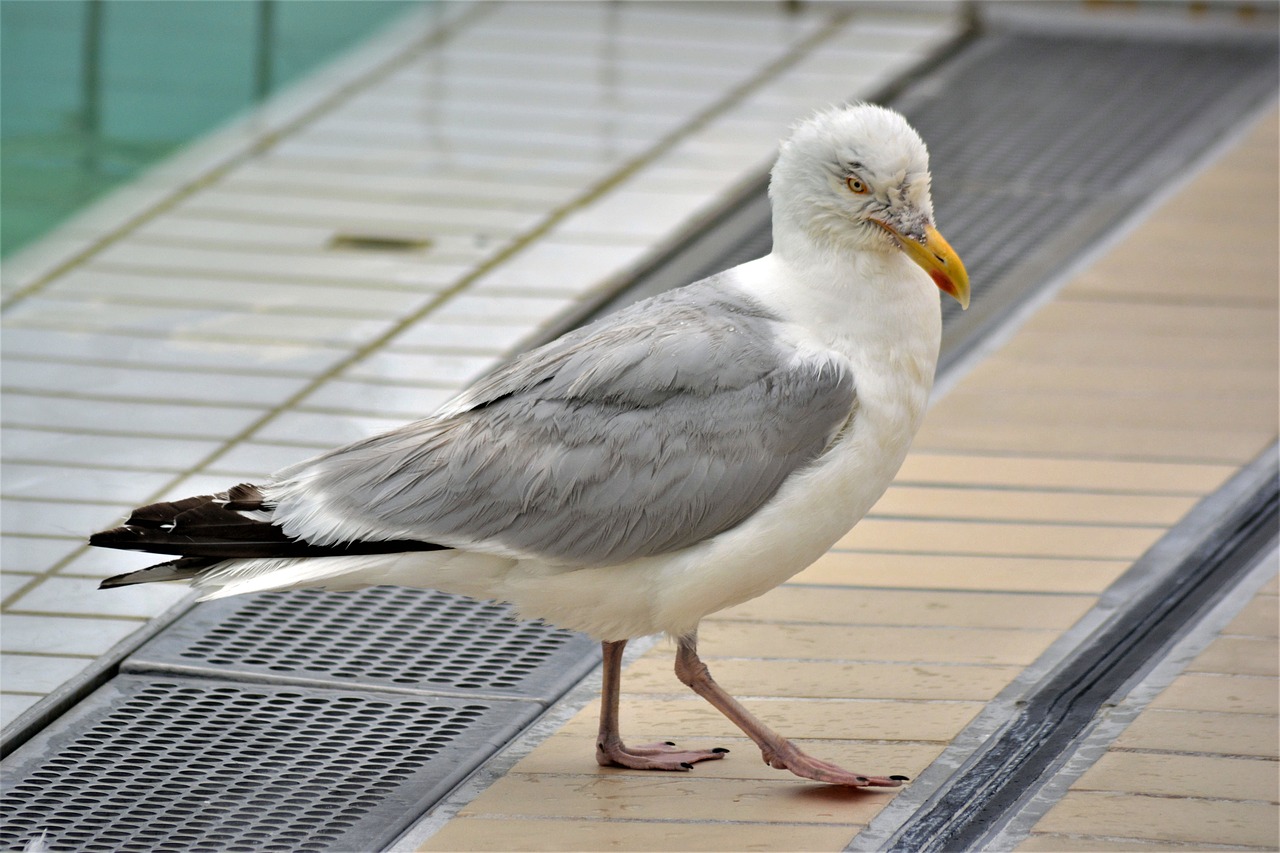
{"x":386,"y":638}
{"x":182,"y":764}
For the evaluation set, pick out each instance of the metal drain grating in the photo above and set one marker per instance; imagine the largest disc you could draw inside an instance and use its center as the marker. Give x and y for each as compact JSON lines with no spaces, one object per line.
{"x":386,"y":638}
{"x":1041,"y":143}
{"x":181,"y":764}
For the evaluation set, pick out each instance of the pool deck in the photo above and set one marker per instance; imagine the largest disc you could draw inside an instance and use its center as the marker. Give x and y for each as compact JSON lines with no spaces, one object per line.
{"x":368,"y":244}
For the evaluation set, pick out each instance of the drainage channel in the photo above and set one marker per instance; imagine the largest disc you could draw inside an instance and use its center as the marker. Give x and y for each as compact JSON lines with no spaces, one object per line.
{"x":1161,"y":598}
{"x":313,"y":721}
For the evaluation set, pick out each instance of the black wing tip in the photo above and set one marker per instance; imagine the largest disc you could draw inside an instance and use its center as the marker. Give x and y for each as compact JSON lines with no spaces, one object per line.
{"x":181,"y":569}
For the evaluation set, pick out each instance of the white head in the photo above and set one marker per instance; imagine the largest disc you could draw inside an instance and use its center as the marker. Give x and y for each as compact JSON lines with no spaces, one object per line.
{"x":856,"y":179}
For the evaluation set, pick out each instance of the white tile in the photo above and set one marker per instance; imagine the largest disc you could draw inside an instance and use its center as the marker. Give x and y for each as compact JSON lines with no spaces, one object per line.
{"x":35,"y":554}
{"x":198,"y":230}
{"x":439,"y":370}
{"x":63,"y":634}
{"x":71,"y":595}
{"x":39,"y":673}
{"x":24,"y":480}
{"x":195,"y":325}
{"x":437,"y":335}
{"x":11,"y":582}
{"x":256,"y":459}
{"x":25,"y":445}
{"x":382,"y":399}
{"x":514,"y":190}
{"x":362,"y":214}
{"x":640,"y":215}
{"x":67,"y":413}
{"x":199,"y":271}
{"x":323,"y":153}
{"x":324,"y":430}
{"x":559,"y":264}
{"x":127,"y":382}
{"x":525,"y":311}
{"x":13,"y":704}
{"x":201,"y":484}
{"x":106,"y":348}
{"x":182,"y":290}
{"x":53,"y":518}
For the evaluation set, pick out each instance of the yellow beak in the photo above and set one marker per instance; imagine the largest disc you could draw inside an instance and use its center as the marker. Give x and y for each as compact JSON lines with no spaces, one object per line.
{"x":936,"y":257}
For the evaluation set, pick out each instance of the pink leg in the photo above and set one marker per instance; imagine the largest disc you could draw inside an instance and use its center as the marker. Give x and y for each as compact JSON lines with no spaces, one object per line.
{"x":610,"y":749}
{"x":779,"y":752}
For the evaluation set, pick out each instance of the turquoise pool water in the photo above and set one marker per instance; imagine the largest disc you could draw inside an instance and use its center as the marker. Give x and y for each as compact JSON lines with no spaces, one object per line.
{"x":93,"y":91}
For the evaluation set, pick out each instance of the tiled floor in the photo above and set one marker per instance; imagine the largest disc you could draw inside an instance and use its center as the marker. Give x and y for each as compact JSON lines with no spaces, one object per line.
{"x":362,"y":249}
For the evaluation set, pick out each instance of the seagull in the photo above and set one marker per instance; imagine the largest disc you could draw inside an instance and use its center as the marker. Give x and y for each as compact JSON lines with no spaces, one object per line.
{"x":680,"y":456}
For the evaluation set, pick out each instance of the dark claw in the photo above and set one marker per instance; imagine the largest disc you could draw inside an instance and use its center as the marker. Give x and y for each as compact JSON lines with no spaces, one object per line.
{"x":669,"y":742}
{"x":721,"y":750}
{"x":862,"y":778}
{"x":900,"y":778}
{"x":686,"y":765}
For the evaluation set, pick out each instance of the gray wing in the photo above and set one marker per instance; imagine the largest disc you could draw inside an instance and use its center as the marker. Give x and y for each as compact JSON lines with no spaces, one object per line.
{"x":649,"y":431}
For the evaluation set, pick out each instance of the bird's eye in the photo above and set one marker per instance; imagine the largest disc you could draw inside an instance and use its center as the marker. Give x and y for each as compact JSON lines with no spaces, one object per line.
{"x":856,"y":184}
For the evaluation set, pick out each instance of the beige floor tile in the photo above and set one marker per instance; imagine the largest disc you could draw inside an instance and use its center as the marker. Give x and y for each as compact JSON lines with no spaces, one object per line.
{"x":948,"y":571}
{"x":1204,"y":732}
{"x":683,"y":797}
{"x":576,"y":756}
{"x":803,"y":604}
{"x":1259,"y":618}
{"x":1272,"y":588}
{"x":1164,"y":819}
{"x":648,"y":719}
{"x":1169,"y":775}
{"x":1236,"y":695}
{"x":1046,"y":842}
{"x":1006,"y":375}
{"x":1133,"y":410}
{"x":1041,"y":472}
{"x":1034,"y":506}
{"x":1091,"y":319}
{"x":839,"y":680}
{"x":1014,"y":540}
{"x":1234,"y":446}
{"x":1137,"y":350}
{"x":881,"y":643}
{"x":1239,"y":656}
{"x":633,"y":835}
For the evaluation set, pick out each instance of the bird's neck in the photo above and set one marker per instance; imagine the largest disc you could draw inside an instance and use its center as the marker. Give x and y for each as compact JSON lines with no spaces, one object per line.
{"x":845,"y":294}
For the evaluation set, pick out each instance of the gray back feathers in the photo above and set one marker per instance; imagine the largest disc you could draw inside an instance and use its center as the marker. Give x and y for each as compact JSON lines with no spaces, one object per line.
{"x":646,"y":432}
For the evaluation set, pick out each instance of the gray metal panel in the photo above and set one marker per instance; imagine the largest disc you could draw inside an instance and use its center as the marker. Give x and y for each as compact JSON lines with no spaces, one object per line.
{"x":382,"y":638}
{"x":1041,"y":143}
{"x":181,"y":764}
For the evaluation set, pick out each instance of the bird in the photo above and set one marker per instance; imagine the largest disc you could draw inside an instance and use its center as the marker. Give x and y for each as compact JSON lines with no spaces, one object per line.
{"x":677,"y":457}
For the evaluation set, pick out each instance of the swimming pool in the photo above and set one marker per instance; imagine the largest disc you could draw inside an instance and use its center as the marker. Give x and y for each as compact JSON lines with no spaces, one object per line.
{"x":94,"y":91}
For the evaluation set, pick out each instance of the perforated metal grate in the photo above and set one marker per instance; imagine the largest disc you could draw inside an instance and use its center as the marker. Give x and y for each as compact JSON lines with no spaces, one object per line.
{"x":1041,"y":143}
{"x":384,"y":637}
{"x":188,"y":764}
